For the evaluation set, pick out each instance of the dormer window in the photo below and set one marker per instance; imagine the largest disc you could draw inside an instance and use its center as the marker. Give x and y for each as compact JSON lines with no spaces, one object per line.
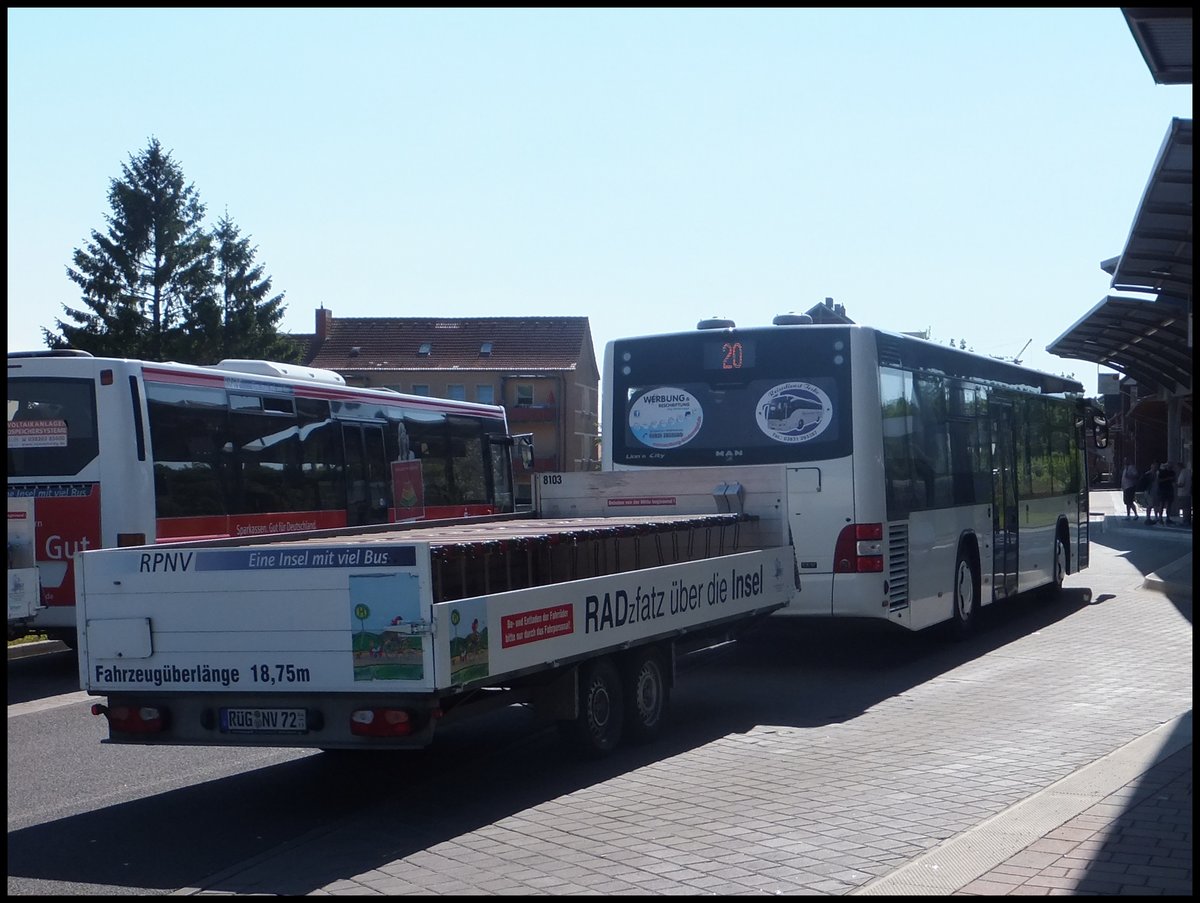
{"x":425,"y":349}
{"x":485,"y":350}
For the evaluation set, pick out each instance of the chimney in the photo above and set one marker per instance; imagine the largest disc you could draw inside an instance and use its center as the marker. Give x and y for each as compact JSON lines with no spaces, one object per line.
{"x":324,"y":321}
{"x":829,"y":304}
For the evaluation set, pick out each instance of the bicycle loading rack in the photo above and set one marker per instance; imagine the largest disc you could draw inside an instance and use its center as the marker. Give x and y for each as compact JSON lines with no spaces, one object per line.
{"x":470,"y":562}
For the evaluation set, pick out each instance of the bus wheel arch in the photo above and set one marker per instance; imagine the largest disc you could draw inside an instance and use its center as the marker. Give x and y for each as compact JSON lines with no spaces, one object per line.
{"x":1062,"y":554}
{"x":966,"y":600}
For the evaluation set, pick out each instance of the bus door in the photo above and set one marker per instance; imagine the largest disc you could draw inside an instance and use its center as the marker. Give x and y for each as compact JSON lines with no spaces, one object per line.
{"x":368,"y":493}
{"x":1005,"y":523}
{"x":503,"y":454}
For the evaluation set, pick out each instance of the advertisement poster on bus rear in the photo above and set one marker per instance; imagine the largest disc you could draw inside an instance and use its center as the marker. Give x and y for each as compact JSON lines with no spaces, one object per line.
{"x":66,"y":521}
{"x":22,"y":570}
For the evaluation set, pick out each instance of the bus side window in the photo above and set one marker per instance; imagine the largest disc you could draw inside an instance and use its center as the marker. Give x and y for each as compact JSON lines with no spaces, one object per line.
{"x":428,"y":438}
{"x":467,"y":451}
{"x":322,"y":465}
{"x":1064,"y":469}
{"x":1038,"y":437}
{"x":895,"y":396}
{"x":971,"y":473}
{"x":187,"y":468}
{"x":930,"y":442}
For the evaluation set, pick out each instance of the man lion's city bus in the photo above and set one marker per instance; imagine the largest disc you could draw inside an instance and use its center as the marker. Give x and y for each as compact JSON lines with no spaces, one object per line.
{"x":922,"y":481}
{"x":105,"y":452}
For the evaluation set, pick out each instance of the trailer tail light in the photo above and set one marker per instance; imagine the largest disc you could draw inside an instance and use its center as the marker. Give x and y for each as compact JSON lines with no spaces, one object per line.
{"x":859,"y":550}
{"x":132,"y":719}
{"x":380,"y":723}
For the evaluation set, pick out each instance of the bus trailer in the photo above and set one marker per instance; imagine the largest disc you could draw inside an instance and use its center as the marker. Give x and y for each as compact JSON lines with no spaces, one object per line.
{"x":372,"y":637}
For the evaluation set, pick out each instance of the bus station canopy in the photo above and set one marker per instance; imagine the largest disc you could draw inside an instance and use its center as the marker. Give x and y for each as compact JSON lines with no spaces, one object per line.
{"x":1164,"y":36}
{"x":1146,"y":340}
{"x":1149,"y":340}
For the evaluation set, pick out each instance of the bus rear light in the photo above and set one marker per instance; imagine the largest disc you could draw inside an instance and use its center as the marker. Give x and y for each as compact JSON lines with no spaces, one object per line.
{"x":380,"y":723}
{"x":868,"y":531}
{"x":859,"y":550}
{"x":131,"y":539}
{"x":106,"y":377}
{"x":132,"y":719}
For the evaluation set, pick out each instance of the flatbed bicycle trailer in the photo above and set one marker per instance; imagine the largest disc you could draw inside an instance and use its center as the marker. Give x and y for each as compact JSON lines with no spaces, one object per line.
{"x":369,"y":638}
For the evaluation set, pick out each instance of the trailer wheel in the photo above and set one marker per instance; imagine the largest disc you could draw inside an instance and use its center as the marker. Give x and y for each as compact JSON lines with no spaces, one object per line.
{"x":646,"y":695}
{"x":596,"y":730}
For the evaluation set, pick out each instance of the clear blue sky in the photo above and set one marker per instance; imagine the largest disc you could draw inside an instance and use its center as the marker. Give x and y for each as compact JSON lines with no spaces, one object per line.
{"x":962,"y":170}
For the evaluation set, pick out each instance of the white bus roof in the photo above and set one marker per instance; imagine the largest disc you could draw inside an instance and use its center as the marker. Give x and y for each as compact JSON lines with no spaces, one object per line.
{"x":289,"y":371}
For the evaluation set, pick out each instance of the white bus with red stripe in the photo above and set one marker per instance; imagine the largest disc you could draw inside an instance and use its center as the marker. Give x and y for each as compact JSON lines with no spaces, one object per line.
{"x":110,"y":452}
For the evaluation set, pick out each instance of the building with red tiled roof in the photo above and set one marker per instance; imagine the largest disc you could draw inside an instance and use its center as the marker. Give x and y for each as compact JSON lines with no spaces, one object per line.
{"x":542,"y":369}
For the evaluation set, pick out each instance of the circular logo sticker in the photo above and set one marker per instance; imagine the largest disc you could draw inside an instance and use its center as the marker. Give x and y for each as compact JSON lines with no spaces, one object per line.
{"x":665,"y":418}
{"x":794,"y":412}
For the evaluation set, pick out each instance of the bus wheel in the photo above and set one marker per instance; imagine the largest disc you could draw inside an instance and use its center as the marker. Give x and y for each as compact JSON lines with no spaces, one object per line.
{"x":596,"y":730}
{"x":1060,"y":563}
{"x":966,"y":596}
{"x":646,"y":695}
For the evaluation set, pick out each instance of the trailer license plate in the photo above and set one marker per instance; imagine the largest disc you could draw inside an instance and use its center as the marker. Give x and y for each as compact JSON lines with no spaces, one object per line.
{"x":264,"y":721}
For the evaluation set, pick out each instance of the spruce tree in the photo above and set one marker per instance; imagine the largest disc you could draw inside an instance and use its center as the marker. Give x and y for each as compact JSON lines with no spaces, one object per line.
{"x":240,"y":318}
{"x":142,"y":275}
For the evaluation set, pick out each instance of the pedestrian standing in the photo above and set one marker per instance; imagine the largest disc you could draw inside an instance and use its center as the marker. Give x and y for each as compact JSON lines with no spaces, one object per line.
{"x":1183,"y":493}
{"x":1129,"y":479}
{"x":1147,"y":487}
{"x":1166,"y":492}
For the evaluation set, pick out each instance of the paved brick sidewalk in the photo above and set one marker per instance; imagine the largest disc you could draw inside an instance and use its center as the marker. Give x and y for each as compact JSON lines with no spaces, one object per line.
{"x":1137,"y":841}
{"x":1051,"y":754}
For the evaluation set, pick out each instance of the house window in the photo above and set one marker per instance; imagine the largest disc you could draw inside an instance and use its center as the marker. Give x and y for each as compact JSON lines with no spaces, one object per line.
{"x":525,"y":395}
{"x":456,"y":391}
{"x":420,"y":389}
{"x":485,"y":350}
{"x":426,"y":348}
{"x":485,"y":393}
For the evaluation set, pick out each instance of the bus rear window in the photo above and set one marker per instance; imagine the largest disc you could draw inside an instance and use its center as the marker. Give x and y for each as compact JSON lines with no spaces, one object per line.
{"x":51,"y":427}
{"x":765,"y":396}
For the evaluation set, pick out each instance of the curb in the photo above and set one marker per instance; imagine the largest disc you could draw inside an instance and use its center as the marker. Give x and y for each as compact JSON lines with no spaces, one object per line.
{"x":1116,"y":523}
{"x":1174,"y":579}
{"x":25,"y":650}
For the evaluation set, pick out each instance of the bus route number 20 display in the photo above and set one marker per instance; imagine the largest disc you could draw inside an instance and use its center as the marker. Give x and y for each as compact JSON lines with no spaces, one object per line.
{"x":730,"y":354}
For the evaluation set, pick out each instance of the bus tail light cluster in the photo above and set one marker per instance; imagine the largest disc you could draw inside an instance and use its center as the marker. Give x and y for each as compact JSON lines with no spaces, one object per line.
{"x":133,"y":719}
{"x":859,"y":550}
{"x":380,"y":723}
